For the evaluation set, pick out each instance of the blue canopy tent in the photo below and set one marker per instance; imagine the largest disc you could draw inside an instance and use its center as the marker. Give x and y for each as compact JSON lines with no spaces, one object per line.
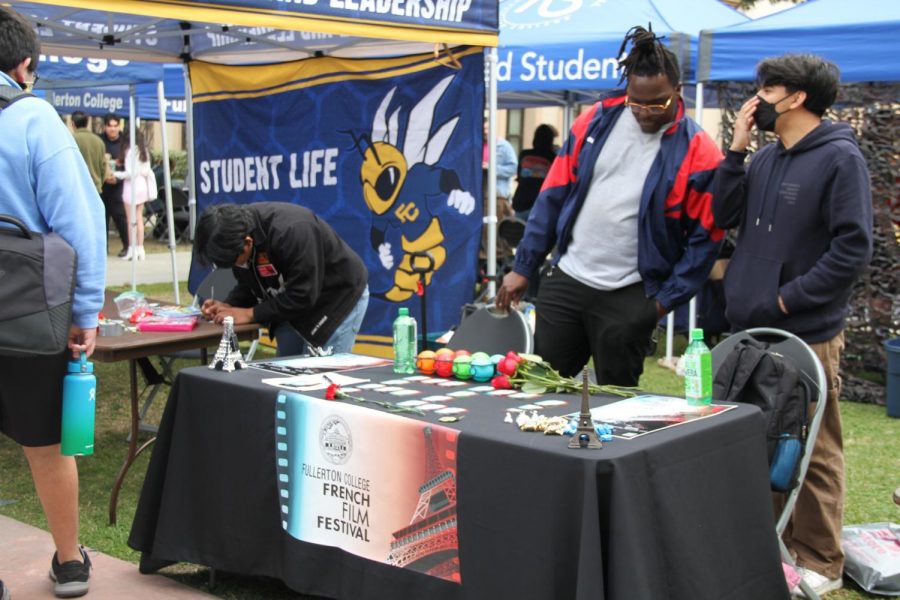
{"x":101,"y":86}
{"x":568,"y":55}
{"x":859,"y":36}
{"x":259,"y":32}
{"x":176,"y":104}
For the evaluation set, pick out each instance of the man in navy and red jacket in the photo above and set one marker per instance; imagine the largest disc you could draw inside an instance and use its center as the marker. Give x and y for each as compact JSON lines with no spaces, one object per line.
{"x":627,"y":205}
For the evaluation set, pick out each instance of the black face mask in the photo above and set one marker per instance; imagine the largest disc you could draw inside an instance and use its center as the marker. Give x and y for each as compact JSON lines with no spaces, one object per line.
{"x":766,"y":114}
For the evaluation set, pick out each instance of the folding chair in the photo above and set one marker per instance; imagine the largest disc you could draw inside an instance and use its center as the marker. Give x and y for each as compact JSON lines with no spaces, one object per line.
{"x":812,"y":372}
{"x":181,"y":216}
{"x":154,"y":213}
{"x":487,"y":330}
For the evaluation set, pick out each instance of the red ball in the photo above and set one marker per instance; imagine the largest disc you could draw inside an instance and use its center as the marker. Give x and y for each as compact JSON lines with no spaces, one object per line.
{"x":444,"y":366}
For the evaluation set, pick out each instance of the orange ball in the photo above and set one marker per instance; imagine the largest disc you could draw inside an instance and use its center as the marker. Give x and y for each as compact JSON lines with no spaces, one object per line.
{"x":425,"y":362}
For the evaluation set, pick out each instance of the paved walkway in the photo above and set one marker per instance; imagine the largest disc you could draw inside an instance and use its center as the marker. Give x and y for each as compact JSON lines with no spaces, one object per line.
{"x":25,"y":554}
{"x":155,"y":268}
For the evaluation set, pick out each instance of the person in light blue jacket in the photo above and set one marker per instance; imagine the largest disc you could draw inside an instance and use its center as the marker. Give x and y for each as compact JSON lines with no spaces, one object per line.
{"x":47,"y":185}
{"x":507,"y":164}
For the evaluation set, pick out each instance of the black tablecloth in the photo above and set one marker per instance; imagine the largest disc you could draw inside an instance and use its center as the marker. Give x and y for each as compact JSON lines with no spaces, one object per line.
{"x":682,"y":513}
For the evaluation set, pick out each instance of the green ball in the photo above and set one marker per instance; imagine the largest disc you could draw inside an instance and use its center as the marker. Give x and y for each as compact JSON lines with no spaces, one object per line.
{"x":462,"y":367}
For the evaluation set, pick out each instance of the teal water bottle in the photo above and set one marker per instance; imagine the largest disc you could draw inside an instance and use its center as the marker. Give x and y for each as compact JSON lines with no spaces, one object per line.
{"x":79,"y":402}
{"x":404,"y":342}
{"x":697,"y":371}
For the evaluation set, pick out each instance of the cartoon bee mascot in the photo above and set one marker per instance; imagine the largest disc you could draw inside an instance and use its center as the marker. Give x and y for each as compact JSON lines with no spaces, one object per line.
{"x":405,"y":191}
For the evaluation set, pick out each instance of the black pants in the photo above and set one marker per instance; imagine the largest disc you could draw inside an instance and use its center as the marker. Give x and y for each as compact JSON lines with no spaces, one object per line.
{"x":576,"y":322}
{"x":112,"y":201}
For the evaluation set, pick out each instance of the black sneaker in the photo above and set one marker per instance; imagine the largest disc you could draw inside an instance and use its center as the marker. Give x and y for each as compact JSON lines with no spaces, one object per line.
{"x":71,"y":577}
{"x":4,"y":592}
{"x":122,"y":253}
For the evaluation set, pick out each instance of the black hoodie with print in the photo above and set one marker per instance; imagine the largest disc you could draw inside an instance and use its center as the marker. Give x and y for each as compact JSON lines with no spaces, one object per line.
{"x":300,"y":271}
{"x":805,"y":218}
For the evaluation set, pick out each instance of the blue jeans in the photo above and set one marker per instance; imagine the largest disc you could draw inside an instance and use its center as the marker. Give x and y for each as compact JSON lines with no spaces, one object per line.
{"x":291,"y":343}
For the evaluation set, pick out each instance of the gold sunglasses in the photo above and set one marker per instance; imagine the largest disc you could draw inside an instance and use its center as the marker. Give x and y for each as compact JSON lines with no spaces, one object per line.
{"x":653,"y":109}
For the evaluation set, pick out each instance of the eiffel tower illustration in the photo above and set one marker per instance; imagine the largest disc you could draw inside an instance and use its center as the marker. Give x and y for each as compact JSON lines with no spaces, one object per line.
{"x":429,"y":544}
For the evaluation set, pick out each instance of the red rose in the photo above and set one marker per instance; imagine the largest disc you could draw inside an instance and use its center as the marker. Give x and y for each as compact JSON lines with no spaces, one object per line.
{"x":507,"y":366}
{"x":501,"y":382}
{"x":513,"y":356}
{"x":332,"y":392}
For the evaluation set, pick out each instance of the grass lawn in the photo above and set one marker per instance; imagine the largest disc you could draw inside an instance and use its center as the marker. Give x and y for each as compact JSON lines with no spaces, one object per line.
{"x":871,"y":440}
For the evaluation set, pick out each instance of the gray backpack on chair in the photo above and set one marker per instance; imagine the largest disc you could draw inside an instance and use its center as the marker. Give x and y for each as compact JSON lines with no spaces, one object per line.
{"x":754,"y":374}
{"x":37,"y":282}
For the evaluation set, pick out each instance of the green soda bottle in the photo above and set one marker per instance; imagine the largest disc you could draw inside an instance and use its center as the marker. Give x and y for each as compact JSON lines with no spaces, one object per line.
{"x":404,"y":342}
{"x":697,"y":371}
{"x":79,"y":404}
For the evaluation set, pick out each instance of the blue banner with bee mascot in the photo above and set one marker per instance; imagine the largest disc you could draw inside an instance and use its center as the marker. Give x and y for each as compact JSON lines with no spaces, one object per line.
{"x":387,"y":151}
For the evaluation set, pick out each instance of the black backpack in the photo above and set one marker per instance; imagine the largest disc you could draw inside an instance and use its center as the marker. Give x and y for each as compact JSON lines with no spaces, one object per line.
{"x":9,"y":94}
{"x":755,"y":374}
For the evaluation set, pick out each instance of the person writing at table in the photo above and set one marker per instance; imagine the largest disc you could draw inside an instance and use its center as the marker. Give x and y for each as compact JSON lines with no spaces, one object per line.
{"x":294,"y":273}
{"x":626,"y":204}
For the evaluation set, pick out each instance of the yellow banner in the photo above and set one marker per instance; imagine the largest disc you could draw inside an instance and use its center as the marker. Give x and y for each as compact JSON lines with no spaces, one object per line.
{"x":217,"y":82}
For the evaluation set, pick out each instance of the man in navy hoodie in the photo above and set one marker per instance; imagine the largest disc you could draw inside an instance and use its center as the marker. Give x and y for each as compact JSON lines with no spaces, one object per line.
{"x":804,"y":209}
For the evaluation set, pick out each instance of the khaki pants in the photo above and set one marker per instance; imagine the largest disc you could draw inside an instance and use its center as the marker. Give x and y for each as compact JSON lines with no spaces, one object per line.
{"x":814,"y":534}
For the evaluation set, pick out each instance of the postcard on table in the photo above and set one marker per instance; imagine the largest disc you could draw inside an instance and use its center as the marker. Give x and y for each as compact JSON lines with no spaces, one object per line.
{"x":313,"y":381}
{"x":633,"y":417}
{"x":304,"y":365}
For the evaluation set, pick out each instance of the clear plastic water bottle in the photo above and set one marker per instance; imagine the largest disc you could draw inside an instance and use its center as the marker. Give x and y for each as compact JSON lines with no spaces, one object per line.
{"x":404,"y":342}
{"x":79,"y":404}
{"x":697,"y":371}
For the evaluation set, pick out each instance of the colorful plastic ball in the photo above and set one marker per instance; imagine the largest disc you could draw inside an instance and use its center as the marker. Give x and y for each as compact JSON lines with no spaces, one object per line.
{"x":425,"y":362}
{"x":496,"y":358}
{"x":461,"y":353}
{"x":480,"y":355}
{"x":442,"y":351}
{"x":443,"y":365}
{"x":462,"y":367}
{"x":482,"y":367}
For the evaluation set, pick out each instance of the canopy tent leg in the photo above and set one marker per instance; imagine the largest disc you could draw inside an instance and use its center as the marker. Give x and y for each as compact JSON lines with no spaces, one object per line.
{"x":167,"y":185}
{"x":491,"y":220}
{"x":191,"y":179}
{"x":132,"y":168}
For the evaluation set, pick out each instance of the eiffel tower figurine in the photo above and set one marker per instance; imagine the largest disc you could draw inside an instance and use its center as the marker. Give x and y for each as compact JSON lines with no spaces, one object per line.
{"x":228,"y":356}
{"x":585,"y":436}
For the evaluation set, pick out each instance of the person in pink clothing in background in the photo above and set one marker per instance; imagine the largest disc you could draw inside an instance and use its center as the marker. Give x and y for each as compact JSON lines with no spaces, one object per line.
{"x":138,"y":176}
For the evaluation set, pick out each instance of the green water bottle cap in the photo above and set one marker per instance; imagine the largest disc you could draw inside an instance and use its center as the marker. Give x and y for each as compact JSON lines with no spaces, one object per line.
{"x":403,"y":312}
{"x":697,"y":334}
